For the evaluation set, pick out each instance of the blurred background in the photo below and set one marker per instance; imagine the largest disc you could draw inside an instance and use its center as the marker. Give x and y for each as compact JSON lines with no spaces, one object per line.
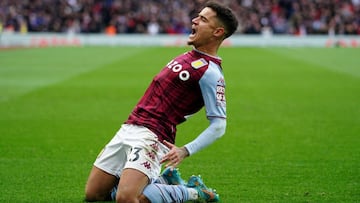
{"x":71,"y":70}
{"x":280,"y":17}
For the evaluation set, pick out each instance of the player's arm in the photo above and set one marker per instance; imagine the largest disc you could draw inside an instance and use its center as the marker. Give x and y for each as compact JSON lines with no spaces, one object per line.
{"x":213,"y":91}
{"x":176,"y":154}
{"x":213,"y":132}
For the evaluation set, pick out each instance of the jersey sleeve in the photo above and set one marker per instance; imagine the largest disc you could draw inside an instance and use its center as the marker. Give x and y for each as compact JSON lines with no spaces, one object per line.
{"x":212,"y":85}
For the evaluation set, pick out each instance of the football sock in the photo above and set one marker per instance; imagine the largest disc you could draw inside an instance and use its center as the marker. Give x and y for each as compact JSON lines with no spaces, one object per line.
{"x":113,"y":193}
{"x":160,"y":180}
{"x":161,"y":193}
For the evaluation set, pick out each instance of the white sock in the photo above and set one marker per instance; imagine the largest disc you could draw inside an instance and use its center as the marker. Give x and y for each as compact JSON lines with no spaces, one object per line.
{"x":193,"y":194}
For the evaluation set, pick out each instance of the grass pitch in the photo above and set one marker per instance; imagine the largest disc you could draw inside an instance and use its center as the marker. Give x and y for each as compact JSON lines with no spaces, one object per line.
{"x":293,"y":121}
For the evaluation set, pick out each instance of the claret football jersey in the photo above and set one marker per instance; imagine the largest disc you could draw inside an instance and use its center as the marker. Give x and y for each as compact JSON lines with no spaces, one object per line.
{"x":182,"y":88}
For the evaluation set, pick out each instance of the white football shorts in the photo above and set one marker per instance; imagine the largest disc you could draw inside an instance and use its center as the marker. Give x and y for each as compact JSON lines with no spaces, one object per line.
{"x":132,"y":147}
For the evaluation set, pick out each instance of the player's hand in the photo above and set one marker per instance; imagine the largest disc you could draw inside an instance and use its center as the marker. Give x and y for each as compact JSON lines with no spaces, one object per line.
{"x":175,"y":156}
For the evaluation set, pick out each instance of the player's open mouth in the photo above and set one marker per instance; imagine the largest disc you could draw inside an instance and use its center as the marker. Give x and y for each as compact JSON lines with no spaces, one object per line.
{"x":193,"y":31}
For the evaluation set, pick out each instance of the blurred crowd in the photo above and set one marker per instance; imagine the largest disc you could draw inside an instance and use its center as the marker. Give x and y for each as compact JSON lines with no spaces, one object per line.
{"x":296,"y":17}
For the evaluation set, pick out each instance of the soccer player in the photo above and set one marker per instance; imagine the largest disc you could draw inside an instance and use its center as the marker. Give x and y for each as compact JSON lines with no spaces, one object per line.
{"x":132,"y":160}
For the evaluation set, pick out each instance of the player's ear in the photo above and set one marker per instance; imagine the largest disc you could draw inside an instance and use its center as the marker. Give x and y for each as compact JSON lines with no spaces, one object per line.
{"x":219,"y":32}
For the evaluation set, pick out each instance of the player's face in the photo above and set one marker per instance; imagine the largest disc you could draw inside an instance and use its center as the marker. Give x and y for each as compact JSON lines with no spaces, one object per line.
{"x":203,"y":27}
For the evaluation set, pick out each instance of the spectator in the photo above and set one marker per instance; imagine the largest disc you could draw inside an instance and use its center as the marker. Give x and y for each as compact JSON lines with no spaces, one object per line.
{"x":297,"y":17}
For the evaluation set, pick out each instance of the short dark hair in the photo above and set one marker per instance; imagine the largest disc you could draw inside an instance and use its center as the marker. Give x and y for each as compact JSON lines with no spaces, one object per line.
{"x":225,"y":15}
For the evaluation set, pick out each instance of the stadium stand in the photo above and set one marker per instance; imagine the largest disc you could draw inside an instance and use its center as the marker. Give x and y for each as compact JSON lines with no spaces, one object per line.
{"x":295,"y":17}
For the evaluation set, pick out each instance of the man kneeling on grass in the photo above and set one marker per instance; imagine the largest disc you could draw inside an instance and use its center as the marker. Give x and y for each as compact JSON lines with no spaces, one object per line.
{"x":131,"y":161}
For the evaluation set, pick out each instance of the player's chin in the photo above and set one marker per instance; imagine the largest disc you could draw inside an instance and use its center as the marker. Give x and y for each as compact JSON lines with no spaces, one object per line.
{"x":190,"y":41}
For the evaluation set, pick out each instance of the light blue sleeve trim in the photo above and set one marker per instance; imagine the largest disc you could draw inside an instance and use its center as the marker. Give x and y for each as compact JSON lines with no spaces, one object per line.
{"x":215,"y":130}
{"x":208,"y":85}
{"x":212,"y":79}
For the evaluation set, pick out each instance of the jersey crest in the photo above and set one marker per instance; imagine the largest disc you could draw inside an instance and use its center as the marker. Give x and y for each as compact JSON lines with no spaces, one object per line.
{"x":199,"y":63}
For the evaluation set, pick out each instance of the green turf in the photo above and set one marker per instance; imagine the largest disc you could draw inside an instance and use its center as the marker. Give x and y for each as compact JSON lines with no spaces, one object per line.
{"x":293,"y":121}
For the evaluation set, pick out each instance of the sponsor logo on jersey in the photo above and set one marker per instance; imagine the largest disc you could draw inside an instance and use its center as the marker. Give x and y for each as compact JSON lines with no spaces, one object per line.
{"x":199,"y":63}
{"x":220,"y":92}
{"x":176,"y":67}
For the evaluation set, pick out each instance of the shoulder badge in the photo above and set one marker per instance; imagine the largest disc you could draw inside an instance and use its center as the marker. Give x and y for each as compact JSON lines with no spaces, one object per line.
{"x":199,"y":63}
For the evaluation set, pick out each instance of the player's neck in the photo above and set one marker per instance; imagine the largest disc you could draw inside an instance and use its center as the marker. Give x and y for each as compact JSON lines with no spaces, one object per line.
{"x":209,"y":50}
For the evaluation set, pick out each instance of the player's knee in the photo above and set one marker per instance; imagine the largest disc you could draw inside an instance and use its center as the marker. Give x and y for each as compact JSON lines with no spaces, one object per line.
{"x":91,"y":196}
{"x":125,"y":198}
{"x":143,"y":199}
